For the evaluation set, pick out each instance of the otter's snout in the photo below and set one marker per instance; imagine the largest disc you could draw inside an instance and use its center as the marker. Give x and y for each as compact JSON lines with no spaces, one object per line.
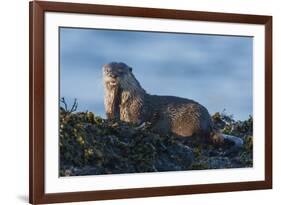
{"x":109,"y":71}
{"x":114,"y":71}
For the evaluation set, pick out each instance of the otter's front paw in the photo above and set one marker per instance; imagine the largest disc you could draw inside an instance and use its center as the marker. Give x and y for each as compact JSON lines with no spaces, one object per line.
{"x":143,"y":125}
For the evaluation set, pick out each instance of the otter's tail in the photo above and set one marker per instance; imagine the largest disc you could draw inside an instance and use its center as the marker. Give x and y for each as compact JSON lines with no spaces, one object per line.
{"x":219,"y":138}
{"x":238,"y":142}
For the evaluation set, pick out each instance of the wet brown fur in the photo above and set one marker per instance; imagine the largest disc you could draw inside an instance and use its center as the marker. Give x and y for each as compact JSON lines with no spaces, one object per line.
{"x":126,"y":100}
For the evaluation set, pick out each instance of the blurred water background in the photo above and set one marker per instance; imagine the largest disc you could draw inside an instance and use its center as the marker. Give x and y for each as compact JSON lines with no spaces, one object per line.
{"x":214,"y":70}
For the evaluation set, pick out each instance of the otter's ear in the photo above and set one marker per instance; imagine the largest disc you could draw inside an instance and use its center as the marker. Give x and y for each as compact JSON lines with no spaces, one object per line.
{"x":130,"y":69}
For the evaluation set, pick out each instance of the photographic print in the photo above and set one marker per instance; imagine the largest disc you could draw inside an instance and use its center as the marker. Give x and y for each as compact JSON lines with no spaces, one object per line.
{"x":130,"y":102}
{"x":142,"y":101}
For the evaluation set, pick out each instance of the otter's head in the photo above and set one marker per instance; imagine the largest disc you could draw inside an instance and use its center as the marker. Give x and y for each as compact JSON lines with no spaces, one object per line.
{"x":121,"y":86}
{"x":115,"y":77}
{"x":116,"y":73}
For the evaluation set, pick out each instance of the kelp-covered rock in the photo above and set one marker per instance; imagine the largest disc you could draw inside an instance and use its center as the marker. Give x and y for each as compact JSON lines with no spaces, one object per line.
{"x":90,"y":145}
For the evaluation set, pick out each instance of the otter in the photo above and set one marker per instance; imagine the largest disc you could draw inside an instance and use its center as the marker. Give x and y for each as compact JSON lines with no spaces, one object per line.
{"x":127,"y":101}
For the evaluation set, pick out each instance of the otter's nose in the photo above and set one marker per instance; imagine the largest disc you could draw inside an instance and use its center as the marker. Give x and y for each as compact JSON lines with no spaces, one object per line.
{"x":109,"y":71}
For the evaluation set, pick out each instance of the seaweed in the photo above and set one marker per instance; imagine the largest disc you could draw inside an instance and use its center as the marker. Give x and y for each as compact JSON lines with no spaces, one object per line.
{"x":91,"y":145}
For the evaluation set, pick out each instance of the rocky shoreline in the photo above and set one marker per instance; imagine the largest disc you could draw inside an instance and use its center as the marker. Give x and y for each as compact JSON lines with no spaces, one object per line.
{"x":90,"y":145}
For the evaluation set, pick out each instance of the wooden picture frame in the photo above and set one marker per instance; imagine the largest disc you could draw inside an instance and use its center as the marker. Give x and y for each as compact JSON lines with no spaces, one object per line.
{"x":38,"y":9}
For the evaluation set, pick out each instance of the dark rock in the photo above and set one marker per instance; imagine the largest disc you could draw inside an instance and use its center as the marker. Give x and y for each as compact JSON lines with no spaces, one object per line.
{"x":90,"y":145}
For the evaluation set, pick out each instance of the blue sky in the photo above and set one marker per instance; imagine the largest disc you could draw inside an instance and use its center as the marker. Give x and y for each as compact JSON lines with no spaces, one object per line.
{"x":214,"y":70}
